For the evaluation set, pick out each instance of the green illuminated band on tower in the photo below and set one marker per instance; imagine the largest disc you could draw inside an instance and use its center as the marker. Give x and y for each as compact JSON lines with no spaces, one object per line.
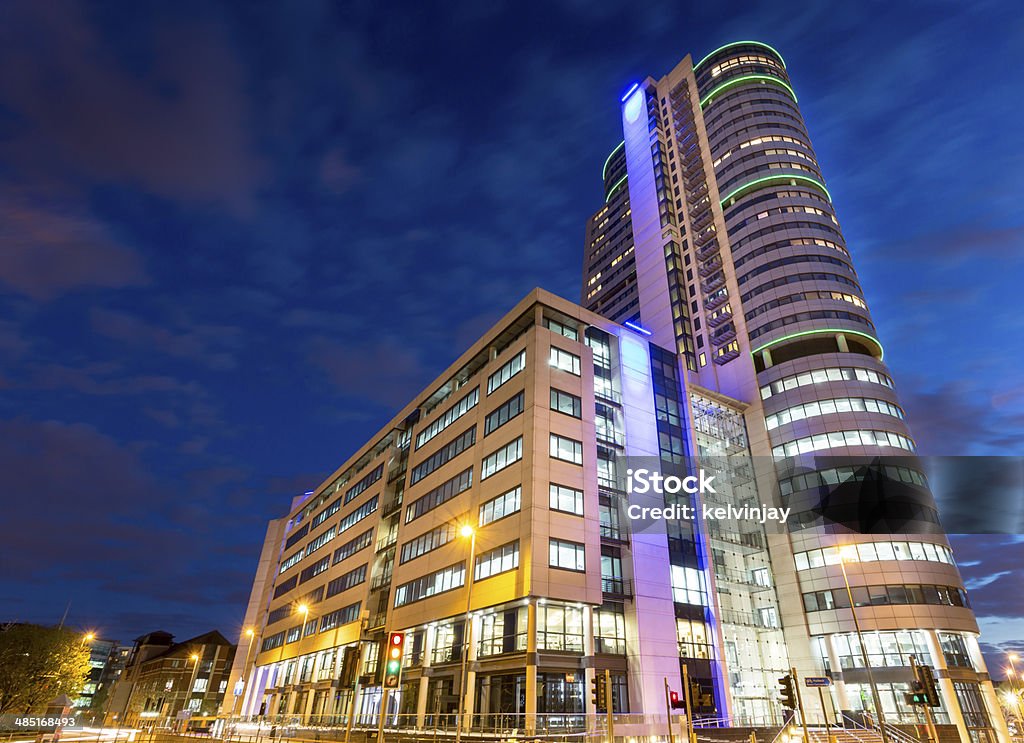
{"x":829,"y":331}
{"x":762,"y":182}
{"x":741,"y":43}
{"x":615,"y":188}
{"x":604,"y":170}
{"x":733,"y":82}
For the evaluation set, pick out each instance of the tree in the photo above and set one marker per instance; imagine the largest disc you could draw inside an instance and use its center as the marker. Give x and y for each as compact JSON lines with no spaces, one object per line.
{"x":38,"y":664}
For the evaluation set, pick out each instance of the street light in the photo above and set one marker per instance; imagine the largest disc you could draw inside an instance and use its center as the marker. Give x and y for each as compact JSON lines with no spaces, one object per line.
{"x":849,"y":552}
{"x":89,"y":636}
{"x":466,"y":531}
{"x":1011,"y":673}
{"x":192,"y":681}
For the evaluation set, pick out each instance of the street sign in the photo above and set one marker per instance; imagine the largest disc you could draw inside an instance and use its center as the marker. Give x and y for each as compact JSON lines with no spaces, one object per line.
{"x":818,"y":681}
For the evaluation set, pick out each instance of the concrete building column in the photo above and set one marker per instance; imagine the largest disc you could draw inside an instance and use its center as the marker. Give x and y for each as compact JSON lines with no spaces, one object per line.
{"x":589,"y":671}
{"x":423,"y":700}
{"x":531,"y":669}
{"x":471,"y":647}
{"x":949,"y":699}
{"x":841,"y":698}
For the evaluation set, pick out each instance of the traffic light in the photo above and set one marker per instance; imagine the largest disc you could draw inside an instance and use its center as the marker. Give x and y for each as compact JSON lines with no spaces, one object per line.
{"x":598,"y":693}
{"x":674,"y":701}
{"x":926,"y":678}
{"x":787,"y":689}
{"x":393,"y":659}
{"x":917,"y":694}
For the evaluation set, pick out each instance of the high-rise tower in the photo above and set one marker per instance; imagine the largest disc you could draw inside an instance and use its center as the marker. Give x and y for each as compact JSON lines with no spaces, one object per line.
{"x":719,"y":238}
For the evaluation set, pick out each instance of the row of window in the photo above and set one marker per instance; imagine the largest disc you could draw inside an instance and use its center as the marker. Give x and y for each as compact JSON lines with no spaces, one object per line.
{"x":838,"y":475}
{"x":508,"y":370}
{"x":503,"y":505}
{"x":449,"y":416}
{"x":365,"y":482}
{"x":797,"y":278}
{"x":777,"y":211}
{"x":830,"y":406}
{"x":349,"y":580}
{"x":440,"y":581}
{"x":874,"y":551}
{"x":428,"y":542}
{"x":757,"y":235}
{"x":794,"y":242}
{"x":840,"y":440}
{"x":439,"y":495}
{"x":443,"y":455}
{"x":805,"y":316}
{"x":761,"y":197}
{"x":503,"y":414}
{"x":498,"y":560}
{"x":804,"y":296}
{"x":823,"y":376}
{"x":502,"y":458}
{"x":756,"y":141}
{"x":342,"y":616}
{"x":886,"y":595}
{"x":353,"y":546}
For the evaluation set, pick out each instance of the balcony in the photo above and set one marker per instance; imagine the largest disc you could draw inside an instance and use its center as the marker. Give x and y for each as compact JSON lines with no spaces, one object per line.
{"x":381,"y":581}
{"x":724,"y":335}
{"x":708,"y":250}
{"x":609,"y":396}
{"x":617,"y":587}
{"x":388,"y":540}
{"x":610,"y":438}
{"x":398,"y":471}
{"x":611,"y":533}
{"x":715,"y":282}
{"x":719,"y":318}
{"x":716,"y":300}
{"x":392,"y":506}
{"x":711,"y":265}
{"x":726,"y":357}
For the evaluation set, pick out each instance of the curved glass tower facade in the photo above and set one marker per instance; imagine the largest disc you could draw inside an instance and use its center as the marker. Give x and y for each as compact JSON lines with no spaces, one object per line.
{"x":720,"y":238}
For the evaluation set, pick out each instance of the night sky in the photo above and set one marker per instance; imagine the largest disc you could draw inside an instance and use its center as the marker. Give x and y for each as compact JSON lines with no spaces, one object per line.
{"x":234,"y":239}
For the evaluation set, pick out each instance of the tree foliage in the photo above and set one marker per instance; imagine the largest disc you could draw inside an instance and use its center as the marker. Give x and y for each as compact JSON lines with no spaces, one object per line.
{"x":38,"y":664}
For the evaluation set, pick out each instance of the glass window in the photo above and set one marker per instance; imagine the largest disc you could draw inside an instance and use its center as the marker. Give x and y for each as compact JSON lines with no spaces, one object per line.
{"x":502,"y":458}
{"x":566,"y":555}
{"x":498,"y":560}
{"x":566,"y":499}
{"x":564,"y":360}
{"x":568,"y":450}
{"x":503,"y":414}
{"x":502,"y":506}
{"x":559,"y":628}
{"x":563,"y":402}
{"x":512,"y":367}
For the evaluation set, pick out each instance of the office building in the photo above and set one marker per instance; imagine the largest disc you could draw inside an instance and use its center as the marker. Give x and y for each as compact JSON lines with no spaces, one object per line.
{"x":172,"y":684}
{"x":719,"y":236}
{"x":521,"y":439}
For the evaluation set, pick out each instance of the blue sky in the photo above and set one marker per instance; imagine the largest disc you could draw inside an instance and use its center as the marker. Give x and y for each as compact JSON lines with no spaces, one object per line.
{"x":234,"y":238}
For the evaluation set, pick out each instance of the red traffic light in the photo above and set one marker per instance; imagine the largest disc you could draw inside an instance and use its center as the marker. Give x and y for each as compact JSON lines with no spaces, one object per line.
{"x":397,"y":638}
{"x":673,"y":696}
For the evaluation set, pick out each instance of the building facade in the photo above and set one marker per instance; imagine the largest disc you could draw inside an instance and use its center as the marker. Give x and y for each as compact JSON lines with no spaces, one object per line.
{"x":522,"y":439}
{"x":719,"y":237}
{"x":165,"y":683}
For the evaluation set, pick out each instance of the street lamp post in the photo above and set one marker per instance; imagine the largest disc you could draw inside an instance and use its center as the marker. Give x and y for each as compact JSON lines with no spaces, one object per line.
{"x":1014,"y":690}
{"x":844,"y":554}
{"x":249,"y":633}
{"x":467,"y":633}
{"x":191,"y":682}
